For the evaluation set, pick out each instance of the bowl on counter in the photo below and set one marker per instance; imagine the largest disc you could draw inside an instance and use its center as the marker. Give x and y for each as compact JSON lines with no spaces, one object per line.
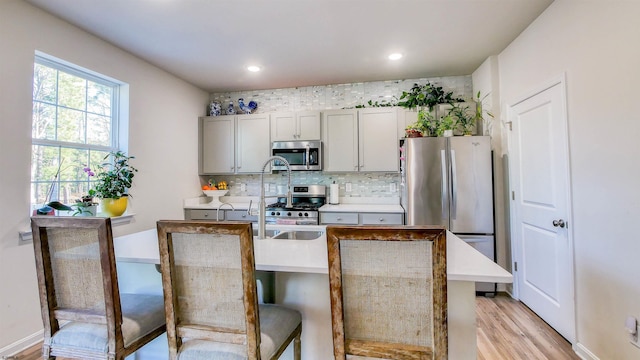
{"x":215,"y":193}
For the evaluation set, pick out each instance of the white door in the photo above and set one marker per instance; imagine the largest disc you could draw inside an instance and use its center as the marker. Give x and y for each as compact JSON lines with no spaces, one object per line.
{"x":541,"y":230}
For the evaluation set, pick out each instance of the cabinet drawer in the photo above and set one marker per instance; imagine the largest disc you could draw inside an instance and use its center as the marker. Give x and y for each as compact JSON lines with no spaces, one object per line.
{"x":339,"y":218}
{"x":377,"y":218}
{"x":240,"y":215}
{"x":196,"y":214}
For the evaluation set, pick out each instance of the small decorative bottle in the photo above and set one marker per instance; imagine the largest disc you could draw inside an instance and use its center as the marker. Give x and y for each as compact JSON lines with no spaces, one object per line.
{"x":230,"y":109}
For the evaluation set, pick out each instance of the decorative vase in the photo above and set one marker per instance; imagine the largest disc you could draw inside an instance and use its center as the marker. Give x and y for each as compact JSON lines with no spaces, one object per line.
{"x":114,"y":207}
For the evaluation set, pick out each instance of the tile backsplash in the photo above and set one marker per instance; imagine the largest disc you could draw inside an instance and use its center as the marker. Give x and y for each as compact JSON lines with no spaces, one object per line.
{"x":324,"y":98}
{"x":340,"y":96}
{"x":362,"y":184}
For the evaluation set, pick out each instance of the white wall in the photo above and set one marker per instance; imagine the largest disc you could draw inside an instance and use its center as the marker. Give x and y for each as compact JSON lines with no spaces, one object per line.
{"x":596,"y":44}
{"x":163,"y":137}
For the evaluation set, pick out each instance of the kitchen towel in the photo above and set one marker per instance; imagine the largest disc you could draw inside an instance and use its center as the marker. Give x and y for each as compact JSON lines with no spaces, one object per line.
{"x":334,"y":194}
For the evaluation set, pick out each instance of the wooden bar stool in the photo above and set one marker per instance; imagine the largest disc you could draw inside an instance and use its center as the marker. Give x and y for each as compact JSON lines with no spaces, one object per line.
{"x":208,"y":276}
{"x":78,"y":283}
{"x":388,"y":291}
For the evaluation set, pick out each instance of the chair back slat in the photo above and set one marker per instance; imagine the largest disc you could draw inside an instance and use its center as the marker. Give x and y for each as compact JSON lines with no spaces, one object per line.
{"x":388,"y":291}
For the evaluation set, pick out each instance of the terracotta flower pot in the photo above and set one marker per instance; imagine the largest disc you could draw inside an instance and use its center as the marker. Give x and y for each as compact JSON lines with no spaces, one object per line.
{"x":114,"y":207}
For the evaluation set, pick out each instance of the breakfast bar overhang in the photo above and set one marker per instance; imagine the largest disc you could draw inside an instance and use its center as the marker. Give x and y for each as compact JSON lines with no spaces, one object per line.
{"x":301,"y":282}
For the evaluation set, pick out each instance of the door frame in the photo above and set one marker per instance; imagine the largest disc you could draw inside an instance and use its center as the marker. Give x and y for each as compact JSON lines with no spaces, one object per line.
{"x":516,"y":242}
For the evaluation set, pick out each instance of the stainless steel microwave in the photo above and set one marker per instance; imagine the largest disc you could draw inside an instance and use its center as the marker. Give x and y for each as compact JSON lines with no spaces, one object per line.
{"x":301,"y":155}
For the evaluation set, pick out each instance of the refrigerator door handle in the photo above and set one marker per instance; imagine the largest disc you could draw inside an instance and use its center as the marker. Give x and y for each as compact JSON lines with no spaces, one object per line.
{"x":454,"y":186}
{"x":443,"y":190}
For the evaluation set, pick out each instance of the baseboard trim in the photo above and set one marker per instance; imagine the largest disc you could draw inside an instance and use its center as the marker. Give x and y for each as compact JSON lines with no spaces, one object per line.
{"x":22,"y":344}
{"x":584,"y":353}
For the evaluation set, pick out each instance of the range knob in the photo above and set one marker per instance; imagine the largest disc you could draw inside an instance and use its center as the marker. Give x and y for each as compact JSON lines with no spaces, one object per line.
{"x":306,"y":214}
{"x":273,"y":213}
{"x":300,"y":214}
{"x":278,"y":213}
{"x":288,"y":214}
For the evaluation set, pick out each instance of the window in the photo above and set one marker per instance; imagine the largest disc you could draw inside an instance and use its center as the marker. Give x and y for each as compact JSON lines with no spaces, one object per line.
{"x":75,"y":125}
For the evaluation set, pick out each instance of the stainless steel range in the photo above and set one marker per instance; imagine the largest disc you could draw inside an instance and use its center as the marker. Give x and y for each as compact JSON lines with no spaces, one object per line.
{"x":307,"y":199}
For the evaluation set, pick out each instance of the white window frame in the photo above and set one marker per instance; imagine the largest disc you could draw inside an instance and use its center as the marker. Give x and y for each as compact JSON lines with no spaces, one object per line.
{"x":119,"y":107}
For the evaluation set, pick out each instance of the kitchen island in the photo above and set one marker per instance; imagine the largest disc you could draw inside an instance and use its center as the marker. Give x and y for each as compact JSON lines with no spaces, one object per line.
{"x":302,"y":282}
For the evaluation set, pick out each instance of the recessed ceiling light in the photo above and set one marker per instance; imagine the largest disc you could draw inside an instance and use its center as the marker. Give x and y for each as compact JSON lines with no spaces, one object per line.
{"x":395,"y":56}
{"x":253,"y":68}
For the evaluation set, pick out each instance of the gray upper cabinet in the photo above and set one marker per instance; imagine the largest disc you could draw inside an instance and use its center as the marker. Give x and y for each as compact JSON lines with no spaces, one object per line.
{"x":340,"y":140}
{"x":293,"y":126}
{"x":217,"y":144}
{"x":253,"y":143}
{"x":361,"y":140}
{"x":378,"y":139}
{"x":234,"y":144}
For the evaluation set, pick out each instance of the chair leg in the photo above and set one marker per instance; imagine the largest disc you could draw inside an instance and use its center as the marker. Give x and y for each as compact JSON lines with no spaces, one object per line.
{"x":46,"y":353}
{"x":297,"y":351}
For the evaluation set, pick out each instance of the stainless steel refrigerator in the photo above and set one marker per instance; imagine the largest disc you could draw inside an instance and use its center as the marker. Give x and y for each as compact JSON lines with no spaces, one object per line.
{"x":448,"y":181}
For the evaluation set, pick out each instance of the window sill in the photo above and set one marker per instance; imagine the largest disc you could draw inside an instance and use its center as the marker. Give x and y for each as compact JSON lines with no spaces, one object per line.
{"x":27,"y":238}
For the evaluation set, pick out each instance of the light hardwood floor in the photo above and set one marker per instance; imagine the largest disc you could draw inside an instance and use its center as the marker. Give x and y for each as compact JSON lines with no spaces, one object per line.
{"x":507,"y":330}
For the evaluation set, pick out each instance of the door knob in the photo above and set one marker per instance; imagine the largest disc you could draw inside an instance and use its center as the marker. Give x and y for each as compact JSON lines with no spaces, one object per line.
{"x":559,"y":223}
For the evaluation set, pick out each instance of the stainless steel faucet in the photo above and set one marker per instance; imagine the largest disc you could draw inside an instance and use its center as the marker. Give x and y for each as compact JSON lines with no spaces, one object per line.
{"x":261,"y":205}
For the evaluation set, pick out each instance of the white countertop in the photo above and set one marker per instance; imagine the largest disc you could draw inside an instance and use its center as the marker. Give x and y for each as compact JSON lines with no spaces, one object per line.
{"x":347,"y":204}
{"x":464,"y":263}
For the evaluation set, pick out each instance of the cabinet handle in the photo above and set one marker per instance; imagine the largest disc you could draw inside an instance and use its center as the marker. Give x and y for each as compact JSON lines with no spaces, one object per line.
{"x":339,"y":219}
{"x":206,"y":214}
{"x":381,"y":219}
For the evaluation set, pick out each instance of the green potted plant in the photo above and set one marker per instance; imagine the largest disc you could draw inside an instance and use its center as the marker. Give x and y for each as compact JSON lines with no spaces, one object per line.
{"x":426,"y":95}
{"x":463,"y":118}
{"x":86,"y":206}
{"x":483,"y":124}
{"x":446,"y":124}
{"x":113,"y":183}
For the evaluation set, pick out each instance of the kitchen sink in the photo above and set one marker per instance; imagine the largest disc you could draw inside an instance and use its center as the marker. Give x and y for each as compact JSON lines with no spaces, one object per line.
{"x":298,"y":235}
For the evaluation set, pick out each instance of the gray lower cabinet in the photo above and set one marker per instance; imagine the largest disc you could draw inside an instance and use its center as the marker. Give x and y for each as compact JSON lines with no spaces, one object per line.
{"x":381,"y":219}
{"x":212,"y":214}
{"x":361,"y":218}
{"x":240,"y":215}
{"x":339,"y":218}
{"x":201,"y":214}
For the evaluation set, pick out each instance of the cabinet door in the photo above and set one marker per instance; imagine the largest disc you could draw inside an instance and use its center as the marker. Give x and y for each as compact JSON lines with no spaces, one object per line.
{"x":378,"y":130}
{"x":292,"y":126}
{"x":308,"y":125}
{"x":406,"y":117}
{"x":217,"y":145}
{"x":240,"y":215}
{"x":340,"y":131}
{"x":283,"y":126}
{"x":254,"y":144}
{"x":381,"y":219}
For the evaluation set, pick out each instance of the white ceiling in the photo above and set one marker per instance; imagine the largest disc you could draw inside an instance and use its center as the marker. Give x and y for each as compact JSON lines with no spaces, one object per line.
{"x":209,"y":43}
